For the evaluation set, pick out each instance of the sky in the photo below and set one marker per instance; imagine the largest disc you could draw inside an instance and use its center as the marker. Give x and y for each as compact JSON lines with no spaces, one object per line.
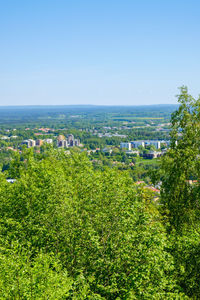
{"x":100,"y":52}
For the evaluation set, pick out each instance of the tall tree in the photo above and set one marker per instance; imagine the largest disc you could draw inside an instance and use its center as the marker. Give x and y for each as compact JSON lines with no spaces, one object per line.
{"x":180,"y":194}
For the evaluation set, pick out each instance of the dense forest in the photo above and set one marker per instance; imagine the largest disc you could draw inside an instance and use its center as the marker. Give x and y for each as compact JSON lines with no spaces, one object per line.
{"x":69,"y":230}
{"x":84,"y":115}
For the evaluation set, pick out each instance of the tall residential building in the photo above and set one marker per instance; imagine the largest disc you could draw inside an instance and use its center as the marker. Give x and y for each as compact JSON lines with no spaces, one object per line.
{"x":39,"y":142}
{"x":63,"y":144}
{"x":61,"y":137}
{"x":76,"y":142}
{"x":27,"y":143}
{"x":70,"y":139}
{"x":32,"y":143}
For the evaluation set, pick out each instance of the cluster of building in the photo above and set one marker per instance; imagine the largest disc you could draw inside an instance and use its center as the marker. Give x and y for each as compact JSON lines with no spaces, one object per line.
{"x":8,"y":137}
{"x":62,"y":141}
{"x":131,"y":148}
{"x":136,"y":144}
{"x":66,"y":142}
{"x":32,"y":143}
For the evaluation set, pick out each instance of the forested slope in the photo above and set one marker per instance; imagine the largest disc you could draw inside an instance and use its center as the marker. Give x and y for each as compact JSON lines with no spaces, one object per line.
{"x":69,"y":231}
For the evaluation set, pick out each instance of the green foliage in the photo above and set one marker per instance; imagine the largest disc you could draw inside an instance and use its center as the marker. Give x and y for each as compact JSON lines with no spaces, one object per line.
{"x":41,"y":277}
{"x":181,"y":164}
{"x":75,"y":233}
{"x":180,"y":196}
{"x":185,"y":250}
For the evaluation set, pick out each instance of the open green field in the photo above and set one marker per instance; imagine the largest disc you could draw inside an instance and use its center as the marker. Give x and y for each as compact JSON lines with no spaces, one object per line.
{"x":136,"y":118}
{"x":144,"y":161}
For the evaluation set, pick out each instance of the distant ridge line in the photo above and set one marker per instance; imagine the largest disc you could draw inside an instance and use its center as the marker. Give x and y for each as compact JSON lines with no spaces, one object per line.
{"x":84,"y":105}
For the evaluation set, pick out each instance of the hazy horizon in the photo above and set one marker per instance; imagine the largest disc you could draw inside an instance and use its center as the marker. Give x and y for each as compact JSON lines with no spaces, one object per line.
{"x":77,"y":105}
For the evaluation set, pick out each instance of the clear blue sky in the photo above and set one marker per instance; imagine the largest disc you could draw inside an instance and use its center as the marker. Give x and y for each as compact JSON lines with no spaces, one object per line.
{"x":98,"y":52}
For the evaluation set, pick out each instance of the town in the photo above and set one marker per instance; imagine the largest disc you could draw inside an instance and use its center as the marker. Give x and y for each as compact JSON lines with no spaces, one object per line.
{"x":132,"y":139}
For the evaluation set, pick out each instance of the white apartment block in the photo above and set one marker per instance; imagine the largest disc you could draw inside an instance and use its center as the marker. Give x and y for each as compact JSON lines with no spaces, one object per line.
{"x":156,"y":144}
{"x":136,"y":144}
{"x":32,"y":143}
{"x":125,"y":146}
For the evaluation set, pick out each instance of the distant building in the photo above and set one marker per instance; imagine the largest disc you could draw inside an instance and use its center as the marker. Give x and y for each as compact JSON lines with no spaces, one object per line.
{"x":61,"y":137}
{"x":63,"y":144}
{"x":70,"y":141}
{"x":76,"y":142}
{"x":152,"y":154}
{"x":136,"y":144}
{"x":156,"y":144}
{"x":48,"y":141}
{"x":131,"y":152}
{"x":32,"y":143}
{"x":107,"y":150}
{"x":39,"y":142}
{"x":125,"y":146}
{"x":27,"y":143}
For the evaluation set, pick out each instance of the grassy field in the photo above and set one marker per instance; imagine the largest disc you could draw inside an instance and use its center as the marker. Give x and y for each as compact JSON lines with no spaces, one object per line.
{"x":144,"y":161}
{"x":136,"y":118}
